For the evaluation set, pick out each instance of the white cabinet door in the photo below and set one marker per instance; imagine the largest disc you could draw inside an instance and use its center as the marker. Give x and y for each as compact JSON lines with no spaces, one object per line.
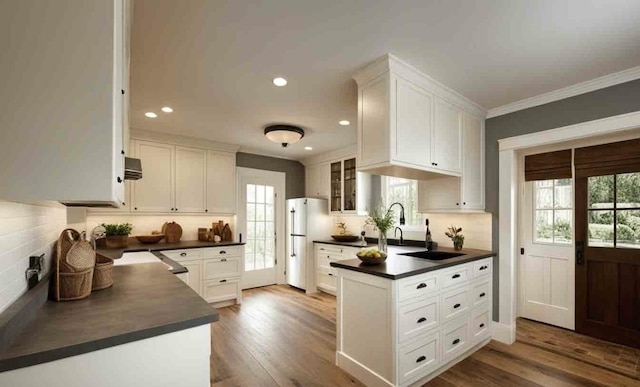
{"x":221,"y":182}
{"x":439,"y":195}
{"x":473,"y":163}
{"x":194,"y":279}
{"x":373,"y":125}
{"x":447,"y":136}
{"x":414,"y":117}
{"x":190,"y":179}
{"x":155,"y":191}
{"x":312,"y":179}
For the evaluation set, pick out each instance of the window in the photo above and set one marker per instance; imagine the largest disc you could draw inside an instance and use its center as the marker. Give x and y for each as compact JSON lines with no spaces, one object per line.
{"x":614,"y":200}
{"x":404,"y":191}
{"x":260,"y":248}
{"x":553,"y":211}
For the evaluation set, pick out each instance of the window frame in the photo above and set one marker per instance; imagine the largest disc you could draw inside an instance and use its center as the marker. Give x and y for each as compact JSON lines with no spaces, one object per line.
{"x":553,"y":209}
{"x":384,"y":189}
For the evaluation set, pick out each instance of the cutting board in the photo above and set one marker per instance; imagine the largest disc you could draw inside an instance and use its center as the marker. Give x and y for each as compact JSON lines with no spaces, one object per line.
{"x":172,"y":232}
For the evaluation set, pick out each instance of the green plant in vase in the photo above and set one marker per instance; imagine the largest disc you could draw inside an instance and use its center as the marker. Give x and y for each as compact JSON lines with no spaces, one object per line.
{"x":453,"y":232}
{"x":383,"y":220}
{"x":117,"y":234}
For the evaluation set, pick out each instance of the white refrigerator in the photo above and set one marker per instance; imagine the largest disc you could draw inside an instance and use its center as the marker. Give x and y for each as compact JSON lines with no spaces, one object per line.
{"x":307,"y":220}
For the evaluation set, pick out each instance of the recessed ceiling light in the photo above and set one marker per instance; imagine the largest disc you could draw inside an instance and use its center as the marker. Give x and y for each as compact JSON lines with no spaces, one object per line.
{"x":151,"y":114}
{"x":167,"y":109}
{"x":308,"y":148}
{"x":279,"y":81}
{"x":344,"y":122}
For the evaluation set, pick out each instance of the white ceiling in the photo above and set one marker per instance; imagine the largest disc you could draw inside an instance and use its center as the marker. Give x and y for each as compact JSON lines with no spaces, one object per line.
{"x":213,"y":61}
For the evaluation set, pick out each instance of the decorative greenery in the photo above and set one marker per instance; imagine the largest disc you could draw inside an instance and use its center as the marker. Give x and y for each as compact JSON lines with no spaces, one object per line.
{"x":453,"y":232}
{"x":118,"y":229}
{"x":381,"y":218}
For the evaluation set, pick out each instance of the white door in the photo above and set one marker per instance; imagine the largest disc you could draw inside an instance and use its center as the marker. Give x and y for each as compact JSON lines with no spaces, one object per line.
{"x":547,"y":269}
{"x":261,"y":222}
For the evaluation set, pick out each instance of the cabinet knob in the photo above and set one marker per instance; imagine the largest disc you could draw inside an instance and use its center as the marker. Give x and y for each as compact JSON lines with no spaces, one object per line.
{"x":135,"y":208}
{"x":457,"y":204}
{"x":206,"y":210}
{"x":482,"y":325}
{"x":456,"y":341}
{"x":330,"y":275}
{"x":183,"y":254}
{"x":119,"y":179}
{"x":483,"y":268}
{"x":482,"y":294}
{"x":464,"y":203}
{"x":456,"y":306}
{"x":176,"y":209}
{"x":421,"y":320}
{"x":421,"y":359}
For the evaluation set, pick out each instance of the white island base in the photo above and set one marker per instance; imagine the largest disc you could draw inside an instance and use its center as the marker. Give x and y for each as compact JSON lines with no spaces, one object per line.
{"x":407,"y":331}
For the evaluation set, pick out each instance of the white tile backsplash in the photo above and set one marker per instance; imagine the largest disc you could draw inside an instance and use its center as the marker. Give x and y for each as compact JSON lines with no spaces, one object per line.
{"x":25,"y":230}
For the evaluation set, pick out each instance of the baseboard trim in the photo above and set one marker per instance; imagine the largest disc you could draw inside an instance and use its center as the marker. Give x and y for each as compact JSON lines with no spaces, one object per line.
{"x":503,"y":333}
{"x":360,"y":372}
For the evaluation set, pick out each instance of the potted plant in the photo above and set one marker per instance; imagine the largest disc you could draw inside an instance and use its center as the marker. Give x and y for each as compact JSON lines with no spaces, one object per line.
{"x":382,"y":220}
{"x":457,"y":238}
{"x":117,"y":235}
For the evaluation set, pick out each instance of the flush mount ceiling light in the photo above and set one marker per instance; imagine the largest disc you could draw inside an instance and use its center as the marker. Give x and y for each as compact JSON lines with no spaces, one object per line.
{"x":308,"y":148}
{"x":283,"y":134}
{"x":344,"y":122}
{"x":151,"y":114}
{"x":167,"y":109}
{"x":279,"y":81}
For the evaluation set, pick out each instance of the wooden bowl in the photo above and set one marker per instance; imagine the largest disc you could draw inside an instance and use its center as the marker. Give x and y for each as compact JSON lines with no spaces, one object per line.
{"x":345,"y":238}
{"x":150,"y":238}
{"x":372,"y":260}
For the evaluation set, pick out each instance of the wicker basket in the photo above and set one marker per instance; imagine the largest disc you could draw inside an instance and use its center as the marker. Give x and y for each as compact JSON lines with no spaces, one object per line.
{"x":102,"y":277}
{"x":74,"y":266}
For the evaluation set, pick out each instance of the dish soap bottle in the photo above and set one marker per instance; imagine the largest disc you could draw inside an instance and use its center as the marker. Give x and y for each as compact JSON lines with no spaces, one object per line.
{"x":427,"y":237}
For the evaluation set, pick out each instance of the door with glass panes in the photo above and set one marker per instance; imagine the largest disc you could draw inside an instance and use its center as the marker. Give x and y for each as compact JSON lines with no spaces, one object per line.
{"x":608,"y":242}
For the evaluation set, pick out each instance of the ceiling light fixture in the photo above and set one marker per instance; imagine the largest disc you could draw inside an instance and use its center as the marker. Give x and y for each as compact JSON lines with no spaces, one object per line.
{"x":151,"y":114}
{"x":167,"y":109}
{"x":284,"y":134}
{"x":344,"y":122}
{"x":279,"y":81}
{"x":308,"y":148}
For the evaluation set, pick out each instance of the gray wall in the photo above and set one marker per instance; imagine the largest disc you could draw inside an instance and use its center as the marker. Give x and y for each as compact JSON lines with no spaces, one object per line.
{"x":612,"y":101}
{"x":293,"y":169}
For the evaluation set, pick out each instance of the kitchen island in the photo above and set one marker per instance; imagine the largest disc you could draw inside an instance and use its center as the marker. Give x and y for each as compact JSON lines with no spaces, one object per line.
{"x":409,"y":319}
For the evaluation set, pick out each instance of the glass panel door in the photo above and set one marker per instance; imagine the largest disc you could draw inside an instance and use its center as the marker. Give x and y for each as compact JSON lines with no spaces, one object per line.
{"x":350,"y":185}
{"x":260,"y":249}
{"x":336,"y":186}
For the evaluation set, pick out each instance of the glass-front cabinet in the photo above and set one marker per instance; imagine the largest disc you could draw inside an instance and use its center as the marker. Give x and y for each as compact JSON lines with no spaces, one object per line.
{"x":344,"y":186}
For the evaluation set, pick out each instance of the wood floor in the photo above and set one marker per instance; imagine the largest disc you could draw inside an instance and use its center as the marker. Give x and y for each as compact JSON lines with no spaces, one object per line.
{"x":282,"y":337}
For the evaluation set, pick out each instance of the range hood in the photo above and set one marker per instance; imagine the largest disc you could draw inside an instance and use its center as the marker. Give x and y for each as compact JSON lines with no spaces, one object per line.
{"x":132,"y":169}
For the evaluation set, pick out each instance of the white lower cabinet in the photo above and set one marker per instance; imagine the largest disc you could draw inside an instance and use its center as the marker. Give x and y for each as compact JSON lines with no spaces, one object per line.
{"x":215,"y":273}
{"x":325,"y":254}
{"x":423,"y":324}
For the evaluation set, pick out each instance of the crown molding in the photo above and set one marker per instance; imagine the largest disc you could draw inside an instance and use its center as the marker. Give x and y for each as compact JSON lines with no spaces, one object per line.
{"x":332,"y":155}
{"x":259,"y":152}
{"x":567,"y":92}
{"x":140,"y":134}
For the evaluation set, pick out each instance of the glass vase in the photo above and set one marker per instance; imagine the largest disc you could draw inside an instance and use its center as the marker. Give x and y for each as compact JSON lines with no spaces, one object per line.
{"x":382,"y":241}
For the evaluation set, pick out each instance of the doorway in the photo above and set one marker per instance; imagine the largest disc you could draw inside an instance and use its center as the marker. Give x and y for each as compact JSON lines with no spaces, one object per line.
{"x":261,"y":221}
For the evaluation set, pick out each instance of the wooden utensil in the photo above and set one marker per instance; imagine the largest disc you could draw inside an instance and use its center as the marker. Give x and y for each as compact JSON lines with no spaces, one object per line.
{"x":172,"y":232}
{"x":226,"y":234}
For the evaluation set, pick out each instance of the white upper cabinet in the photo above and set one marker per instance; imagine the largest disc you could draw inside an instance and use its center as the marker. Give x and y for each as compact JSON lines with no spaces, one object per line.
{"x":466,"y":193}
{"x":62,"y":105}
{"x":409,"y":125}
{"x":221,"y":182}
{"x":155,"y":191}
{"x":447,"y":137}
{"x":191,"y":179}
{"x":317,"y":181}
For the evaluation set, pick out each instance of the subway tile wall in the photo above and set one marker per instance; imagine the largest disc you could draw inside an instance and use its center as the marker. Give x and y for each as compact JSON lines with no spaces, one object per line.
{"x":25,"y":230}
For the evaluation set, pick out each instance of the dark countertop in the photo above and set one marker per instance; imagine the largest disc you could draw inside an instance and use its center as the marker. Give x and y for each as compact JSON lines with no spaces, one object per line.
{"x":146,"y":300}
{"x":135,"y":246}
{"x":400,"y":266}
{"x":348,"y":244}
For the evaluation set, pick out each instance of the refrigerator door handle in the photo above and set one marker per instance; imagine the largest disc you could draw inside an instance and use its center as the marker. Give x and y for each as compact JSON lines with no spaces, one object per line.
{"x":293,"y":228}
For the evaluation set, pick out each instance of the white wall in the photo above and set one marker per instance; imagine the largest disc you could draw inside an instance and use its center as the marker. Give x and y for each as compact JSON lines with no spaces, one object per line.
{"x":25,"y":230}
{"x":145,"y":224}
{"x":476,"y":228}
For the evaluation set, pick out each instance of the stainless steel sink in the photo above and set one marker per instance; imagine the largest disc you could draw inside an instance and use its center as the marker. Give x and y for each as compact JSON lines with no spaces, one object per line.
{"x":433,"y":255}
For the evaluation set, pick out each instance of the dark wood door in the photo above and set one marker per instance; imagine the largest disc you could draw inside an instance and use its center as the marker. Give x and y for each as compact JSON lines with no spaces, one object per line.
{"x":608,"y":253}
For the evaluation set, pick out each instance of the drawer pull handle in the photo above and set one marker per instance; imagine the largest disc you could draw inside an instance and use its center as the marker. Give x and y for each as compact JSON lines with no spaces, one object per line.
{"x":456,"y":341}
{"x":482,"y":294}
{"x":482,"y":325}
{"x":420,"y":359}
{"x":222,"y":252}
{"x":422,"y":285}
{"x":223,"y":280}
{"x":330,"y":275}
{"x":183,"y":254}
{"x":484,"y":267}
{"x":456,"y":306}
{"x":223,"y":260}
{"x":322,"y":248}
{"x":422,"y":319}
{"x":455,"y":276}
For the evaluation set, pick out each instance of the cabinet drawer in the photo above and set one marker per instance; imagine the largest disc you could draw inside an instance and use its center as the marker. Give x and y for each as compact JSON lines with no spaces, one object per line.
{"x":323,"y":260}
{"x":222,"y":268}
{"x":479,"y":329}
{"x":350,"y":252}
{"x":419,"y":358}
{"x":455,"y":339}
{"x":456,"y":276}
{"x":481,"y":292}
{"x":221,"y":290}
{"x":326,"y":280}
{"x":417,"y":286}
{"x":225,"y":251}
{"x":483,"y":267}
{"x":417,"y":318}
{"x":455,"y":303}
{"x":328,"y":249}
{"x":183,"y":255}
